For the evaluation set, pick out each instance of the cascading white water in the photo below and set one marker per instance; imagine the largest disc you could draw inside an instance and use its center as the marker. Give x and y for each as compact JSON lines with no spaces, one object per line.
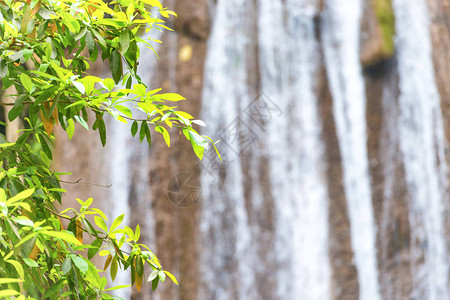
{"x":289,"y":62}
{"x":118,"y":136}
{"x":223,"y":222}
{"x":340,"y":41}
{"x":299,"y":195}
{"x":422,"y":144}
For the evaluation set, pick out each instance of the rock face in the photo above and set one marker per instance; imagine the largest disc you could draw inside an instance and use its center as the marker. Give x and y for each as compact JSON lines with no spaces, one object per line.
{"x":246,"y":245}
{"x":377,"y":32}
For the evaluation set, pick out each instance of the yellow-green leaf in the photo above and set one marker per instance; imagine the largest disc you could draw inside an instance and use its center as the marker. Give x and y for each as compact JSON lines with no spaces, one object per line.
{"x":165,"y":134}
{"x":171,"y":277}
{"x":64,"y":235}
{"x":6,"y":293}
{"x":114,"y":268}
{"x":170,"y":97}
{"x":100,"y":223}
{"x":107,"y":262}
{"x":26,"y":82}
{"x":9,"y":280}
{"x":70,"y":128}
{"x":20,"y":196}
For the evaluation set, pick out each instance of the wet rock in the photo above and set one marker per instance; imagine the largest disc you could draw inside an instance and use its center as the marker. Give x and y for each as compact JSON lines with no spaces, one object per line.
{"x":377,"y":32}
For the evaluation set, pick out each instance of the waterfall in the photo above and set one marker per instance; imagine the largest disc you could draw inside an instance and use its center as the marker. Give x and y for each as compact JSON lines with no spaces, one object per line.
{"x":224,"y":225}
{"x":289,"y":61}
{"x":289,"y":142}
{"x":422,"y":144}
{"x":118,"y":136}
{"x":340,"y":41}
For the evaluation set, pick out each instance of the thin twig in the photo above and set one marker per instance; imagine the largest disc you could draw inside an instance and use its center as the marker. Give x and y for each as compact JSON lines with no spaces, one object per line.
{"x":85,"y":182}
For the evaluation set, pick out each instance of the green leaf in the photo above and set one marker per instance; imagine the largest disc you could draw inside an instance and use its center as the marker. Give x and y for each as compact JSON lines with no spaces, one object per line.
{"x":140,"y":89}
{"x":9,"y":280}
{"x":82,"y":122}
{"x":114,"y":268}
{"x":92,"y":275}
{"x":64,"y":235}
{"x":108,"y":83}
{"x":125,"y":110}
{"x":199,"y":144}
{"x":124,"y":41}
{"x":79,"y":86}
{"x":118,"y":287}
{"x":214,"y":145}
{"x":26,"y":82}
{"x":165,"y":134}
{"x":107,"y":262}
{"x":80,"y":34}
{"x":152,"y":275}
{"x":155,"y":283}
{"x":184,"y":115}
{"x":6,"y":293}
{"x":70,"y":128}
{"x":89,"y":83}
{"x":2,"y":191}
{"x":115,"y":64}
{"x":139,"y":266}
{"x":54,"y":288}
{"x":137,"y":232}
{"x":22,"y":220}
{"x":162,"y":276}
{"x":95,"y":247}
{"x":6,"y":145}
{"x":170,"y":97}
{"x":15,"y":112}
{"x":18,"y":266}
{"x":156,"y":3}
{"x":101,"y":129}
{"x":45,"y":146}
{"x":198,"y":139}
{"x":117,"y":222}
{"x":150,"y":93}
{"x":80,"y":263}
{"x":30,"y":263}
{"x":100,"y":223}
{"x":71,"y":22}
{"x":128,"y":231}
{"x":171,"y":277}
{"x":101,"y":213}
{"x":17,"y":108}
{"x":149,"y":137}
{"x":99,"y":37}
{"x":134,"y":128}
{"x":66,"y":265}
{"x":20,"y":196}
{"x":142,"y":132}
{"x":90,"y":42}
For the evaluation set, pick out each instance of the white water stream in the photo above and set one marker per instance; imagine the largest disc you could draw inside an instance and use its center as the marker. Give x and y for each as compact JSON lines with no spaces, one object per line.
{"x":341,"y":48}
{"x":422,"y":143}
{"x":298,"y":188}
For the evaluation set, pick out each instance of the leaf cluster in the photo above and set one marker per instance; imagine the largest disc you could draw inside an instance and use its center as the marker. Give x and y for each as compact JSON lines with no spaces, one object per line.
{"x":47,"y":48}
{"x":38,"y":257}
{"x":45,"y":52}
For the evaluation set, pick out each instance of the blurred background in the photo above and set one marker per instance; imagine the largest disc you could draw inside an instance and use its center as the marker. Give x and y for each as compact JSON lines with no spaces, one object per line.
{"x":333,"y":120}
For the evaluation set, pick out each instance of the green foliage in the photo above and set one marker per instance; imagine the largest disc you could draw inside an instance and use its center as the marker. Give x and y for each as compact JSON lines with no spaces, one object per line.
{"x":46,"y":48}
{"x":386,"y":20}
